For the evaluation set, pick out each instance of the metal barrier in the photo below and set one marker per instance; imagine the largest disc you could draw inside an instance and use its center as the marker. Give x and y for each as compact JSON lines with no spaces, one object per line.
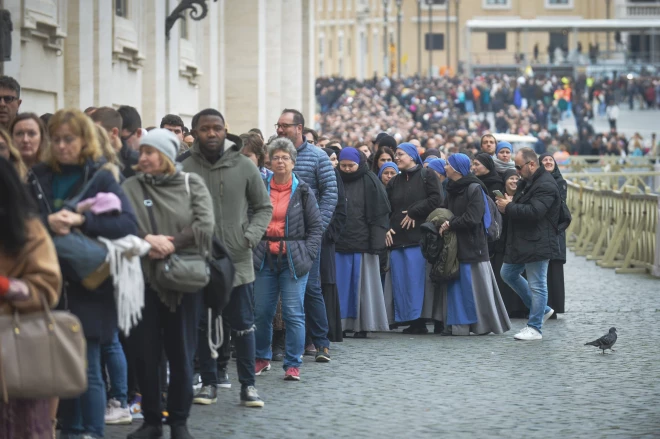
{"x":632,"y":182}
{"x":605,"y":163}
{"x":617,"y":229}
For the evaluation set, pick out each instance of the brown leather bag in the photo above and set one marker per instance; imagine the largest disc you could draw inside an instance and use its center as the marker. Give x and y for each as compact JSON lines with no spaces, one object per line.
{"x":42,"y":355}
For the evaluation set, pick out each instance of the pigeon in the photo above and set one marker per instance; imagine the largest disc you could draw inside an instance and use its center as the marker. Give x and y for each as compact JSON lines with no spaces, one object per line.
{"x":605,"y":342}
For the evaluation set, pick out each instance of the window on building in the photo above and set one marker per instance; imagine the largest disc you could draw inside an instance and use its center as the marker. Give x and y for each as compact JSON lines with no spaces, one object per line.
{"x":434,"y":41}
{"x":319,"y":6}
{"x":436,"y":2}
{"x":563,"y":4}
{"x":496,"y":40}
{"x":497,"y":2}
{"x":121,"y":8}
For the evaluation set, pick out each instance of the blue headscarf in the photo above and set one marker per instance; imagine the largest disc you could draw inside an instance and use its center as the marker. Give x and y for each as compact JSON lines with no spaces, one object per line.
{"x":438,"y":165}
{"x":351,"y":154}
{"x":411,"y":150}
{"x":387,"y":165}
{"x":501,"y":145}
{"x":461,"y":163}
{"x":429,"y":158}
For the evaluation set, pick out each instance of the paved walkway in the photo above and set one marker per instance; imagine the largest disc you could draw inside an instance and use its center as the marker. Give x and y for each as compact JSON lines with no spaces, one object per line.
{"x":398,"y":386}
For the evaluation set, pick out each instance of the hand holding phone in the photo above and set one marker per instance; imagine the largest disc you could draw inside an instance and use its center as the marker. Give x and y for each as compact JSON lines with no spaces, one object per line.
{"x":498,"y":194}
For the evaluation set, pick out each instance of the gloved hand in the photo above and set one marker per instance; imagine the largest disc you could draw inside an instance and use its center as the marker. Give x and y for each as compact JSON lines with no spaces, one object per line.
{"x":14,"y":290}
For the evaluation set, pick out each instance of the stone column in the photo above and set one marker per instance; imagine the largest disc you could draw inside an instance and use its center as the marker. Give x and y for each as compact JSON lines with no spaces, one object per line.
{"x":309,"y":45}
{"x":210,"y":60}
{"x":292,"y":54}
{"x":277,"y":37}
{"x":153,"y":71}
{"x":79,"y":55}
{"x":245,"y":68}
{"x":103,"y":35}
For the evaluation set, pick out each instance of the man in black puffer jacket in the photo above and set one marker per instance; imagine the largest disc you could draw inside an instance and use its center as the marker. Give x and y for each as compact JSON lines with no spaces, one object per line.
{"x":531,"y":239}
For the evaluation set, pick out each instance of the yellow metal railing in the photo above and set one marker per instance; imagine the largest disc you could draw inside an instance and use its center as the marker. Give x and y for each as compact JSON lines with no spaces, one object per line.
{"x":583,"y":163}
{"x":632,"y":181}
{"x":617,"y":229}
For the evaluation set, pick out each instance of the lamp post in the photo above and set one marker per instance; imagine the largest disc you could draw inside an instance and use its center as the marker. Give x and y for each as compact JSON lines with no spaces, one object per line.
{"x":419,"y":38}
{"x":385,"y":48}
{"x":198,"y":10}
{"x":430,"y":38}
{"x":398,"y":37}
{"x":447,"y":46}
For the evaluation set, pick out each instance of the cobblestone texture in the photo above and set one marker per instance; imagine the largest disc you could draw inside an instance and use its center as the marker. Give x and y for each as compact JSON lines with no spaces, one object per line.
{"x":398,"y":386}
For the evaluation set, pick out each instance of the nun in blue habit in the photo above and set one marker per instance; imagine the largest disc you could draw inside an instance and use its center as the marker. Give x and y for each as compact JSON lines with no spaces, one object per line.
{"x":474,"y":303}
{"x":413,"y":195}
{"x":356,"y":253}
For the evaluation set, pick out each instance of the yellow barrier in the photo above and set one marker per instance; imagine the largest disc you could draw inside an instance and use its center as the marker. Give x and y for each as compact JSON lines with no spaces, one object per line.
{"x":617,"y":229}
{"x":611,"y":163}
{"x":633,"y":182}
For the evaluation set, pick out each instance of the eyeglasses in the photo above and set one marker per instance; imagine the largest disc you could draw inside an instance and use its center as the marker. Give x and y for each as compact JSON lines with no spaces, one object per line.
{"x":280,"y":159}
{"x":521,"y":167}
{"x":400,"y":154}
{"x":125,"y":139}
{"x":285,"y":125}
{"x":8,"y":99}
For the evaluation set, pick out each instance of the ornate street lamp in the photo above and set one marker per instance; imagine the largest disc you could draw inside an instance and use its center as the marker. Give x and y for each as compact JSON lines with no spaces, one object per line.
{"x":198,"y":10}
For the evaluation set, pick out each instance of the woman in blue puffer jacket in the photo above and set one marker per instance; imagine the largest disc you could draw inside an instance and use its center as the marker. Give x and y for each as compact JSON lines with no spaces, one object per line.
{"x":283,"y":259}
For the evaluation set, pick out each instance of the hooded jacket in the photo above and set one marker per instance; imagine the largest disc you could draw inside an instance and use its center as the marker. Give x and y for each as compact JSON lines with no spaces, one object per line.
{"x":235,"y":185}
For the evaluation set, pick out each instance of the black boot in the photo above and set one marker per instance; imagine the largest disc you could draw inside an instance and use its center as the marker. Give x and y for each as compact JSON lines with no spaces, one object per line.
{"x":278,"y":345}
{"x":147,"y":431}
{"x":180,"y":432}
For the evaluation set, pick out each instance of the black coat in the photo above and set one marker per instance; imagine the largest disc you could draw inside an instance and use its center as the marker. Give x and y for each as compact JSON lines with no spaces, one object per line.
{"x":532,"y":217}
{"x":493,"y":182}
{"x":95,"y":309}
{"x":466,"y":202}
{"x":331,"y":236}
{"x":408,"y":191}
{"x":304,"y":231}
{"x":128,"y":159}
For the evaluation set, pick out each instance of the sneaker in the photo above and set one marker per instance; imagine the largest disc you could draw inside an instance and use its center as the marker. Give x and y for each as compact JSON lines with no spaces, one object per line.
{"x":206,"y":395}
{"x":260,"y":366}
{"x":250,"y":397}
{"x":147,"y":431}
{"x":323,"y":355}
{"x":528,"y":334}
{"x":223,"y":379}
{"x":197,"y":381}
{"x":292,"y":374}
{"x":310,"y":350}
{"x":116,"y":415}
{"x":180,"y":432}
{"x":547,"y":315}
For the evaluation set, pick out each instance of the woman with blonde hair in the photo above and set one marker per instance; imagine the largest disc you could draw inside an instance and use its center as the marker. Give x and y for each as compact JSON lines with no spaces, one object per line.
{"x":9,"y":152}
{"x":175,"y":215}
{"x":73,"y":167}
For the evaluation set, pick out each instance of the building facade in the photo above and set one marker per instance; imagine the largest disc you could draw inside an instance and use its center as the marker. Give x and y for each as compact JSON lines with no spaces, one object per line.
{"x":349,"y":33}
{"x":248,"y":58}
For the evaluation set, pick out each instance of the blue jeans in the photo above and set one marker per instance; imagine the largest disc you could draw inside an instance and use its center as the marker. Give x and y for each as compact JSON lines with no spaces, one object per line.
{"x":86,"y":414}
{"x":315,"y":315}
{"x":114,"y":359}
{"x":268,"y":287}
{"x":533,"y":291}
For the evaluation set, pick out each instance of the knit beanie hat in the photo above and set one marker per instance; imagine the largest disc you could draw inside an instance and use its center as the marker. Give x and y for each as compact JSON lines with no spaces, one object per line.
{"x":503,"y":145}
{"x":486,"y":160}
{"x":387,"y":140}
{"x":164,"y":141}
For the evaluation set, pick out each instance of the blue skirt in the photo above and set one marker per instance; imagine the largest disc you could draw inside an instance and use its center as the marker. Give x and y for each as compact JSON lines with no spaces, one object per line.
{"x":408,"y":269}
{"x":461,"y":309}
{"x":348,"y":283}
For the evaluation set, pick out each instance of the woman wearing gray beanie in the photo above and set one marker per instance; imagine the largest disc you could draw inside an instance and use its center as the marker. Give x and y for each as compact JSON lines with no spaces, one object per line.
{"x":174,"y":212}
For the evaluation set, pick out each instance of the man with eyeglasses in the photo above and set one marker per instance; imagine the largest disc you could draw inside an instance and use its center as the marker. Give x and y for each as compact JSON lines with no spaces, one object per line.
{"x":532,"y":239}
{"x":110,"y":119}
{"x":314,"y":167}
{"x":10,"y":102}
{"x":131,"y":130}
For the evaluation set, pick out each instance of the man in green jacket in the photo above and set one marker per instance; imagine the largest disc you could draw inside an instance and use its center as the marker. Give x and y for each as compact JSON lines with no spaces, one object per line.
{"x":235,"y":185}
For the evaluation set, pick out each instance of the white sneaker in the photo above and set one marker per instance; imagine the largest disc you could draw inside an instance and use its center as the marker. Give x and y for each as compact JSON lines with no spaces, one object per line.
{"x":116,"y":415}
{"x":528,"y":334}
{"x":547,"y":315}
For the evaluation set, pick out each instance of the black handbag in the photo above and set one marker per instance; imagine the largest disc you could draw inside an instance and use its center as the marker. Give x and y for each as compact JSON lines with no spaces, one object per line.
{"x":185,"y":273}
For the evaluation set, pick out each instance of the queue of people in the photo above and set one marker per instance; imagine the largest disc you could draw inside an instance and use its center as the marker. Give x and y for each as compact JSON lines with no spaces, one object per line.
{"x":324,"y":242}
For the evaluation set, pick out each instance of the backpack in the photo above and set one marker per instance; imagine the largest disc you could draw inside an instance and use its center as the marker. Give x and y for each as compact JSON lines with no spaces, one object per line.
{"x":431,"y":242}
{"x":492,"y":217}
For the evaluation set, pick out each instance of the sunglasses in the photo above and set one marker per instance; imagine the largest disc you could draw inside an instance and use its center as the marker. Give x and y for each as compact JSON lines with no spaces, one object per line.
{"x":521,"y":167}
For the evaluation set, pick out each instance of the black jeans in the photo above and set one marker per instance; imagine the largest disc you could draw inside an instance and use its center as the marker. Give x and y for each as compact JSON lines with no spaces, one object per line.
{"x":239,"y":316}
{"x":176,"y":332}
{"x":208,"y":367}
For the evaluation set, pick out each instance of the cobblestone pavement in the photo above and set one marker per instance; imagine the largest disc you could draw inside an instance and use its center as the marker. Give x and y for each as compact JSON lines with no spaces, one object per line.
{"x":399,"y":386}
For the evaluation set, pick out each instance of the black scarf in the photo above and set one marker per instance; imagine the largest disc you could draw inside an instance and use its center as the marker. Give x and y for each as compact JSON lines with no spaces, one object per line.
{"x":491,"y":178}
{"x":457,"y":186}
{"x":377,"y":206}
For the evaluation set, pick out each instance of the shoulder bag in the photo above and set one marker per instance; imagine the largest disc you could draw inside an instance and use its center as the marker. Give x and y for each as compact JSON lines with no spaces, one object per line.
{"x":42,"y":355}
{"x":177,"y":272}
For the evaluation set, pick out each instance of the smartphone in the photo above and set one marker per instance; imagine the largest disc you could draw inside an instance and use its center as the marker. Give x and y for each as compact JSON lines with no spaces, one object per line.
{"x":498,"y":194}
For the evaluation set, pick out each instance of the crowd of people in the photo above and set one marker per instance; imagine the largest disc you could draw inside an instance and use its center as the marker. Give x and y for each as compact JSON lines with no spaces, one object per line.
{"x":456,"y":112}
{"x":327,"y":238}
